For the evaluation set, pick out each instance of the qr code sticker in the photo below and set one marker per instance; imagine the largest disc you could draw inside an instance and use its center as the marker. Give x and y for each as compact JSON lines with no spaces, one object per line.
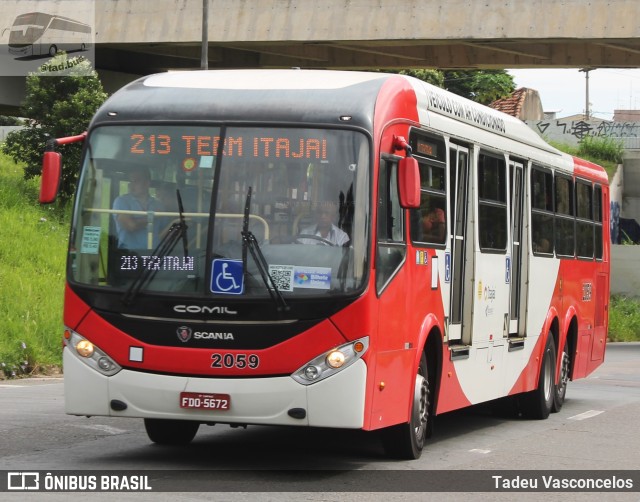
{"x":282,"y":276}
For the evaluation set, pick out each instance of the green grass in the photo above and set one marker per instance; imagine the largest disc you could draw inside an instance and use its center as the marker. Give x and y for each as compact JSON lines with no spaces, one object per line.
{"x":624,"y":319}
{"x":33,"y":243}
{"x":604,"y":151}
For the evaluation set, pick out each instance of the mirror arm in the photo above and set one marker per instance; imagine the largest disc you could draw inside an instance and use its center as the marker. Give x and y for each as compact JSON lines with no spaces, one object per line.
{"x":399,"y":143}
{"x":52,"y":143}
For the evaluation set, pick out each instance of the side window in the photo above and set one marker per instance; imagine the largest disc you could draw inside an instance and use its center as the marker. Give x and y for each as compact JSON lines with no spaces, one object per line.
{"x":565,"y":223}
{"x":584,"y":221}
{"x":492,"y":203}
{"x":597,"y":218}
{"x":429,"y":222}
{"x":541,"y":211}
{"x":391,"y":248}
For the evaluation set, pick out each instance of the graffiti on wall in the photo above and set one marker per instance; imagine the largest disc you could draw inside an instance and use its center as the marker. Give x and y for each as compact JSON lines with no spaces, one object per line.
{"x":614,"y":221}
{"x":573,"y":131}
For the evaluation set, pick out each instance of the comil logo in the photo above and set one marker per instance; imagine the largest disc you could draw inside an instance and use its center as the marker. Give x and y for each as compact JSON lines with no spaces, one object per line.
{"x":23,"y":481}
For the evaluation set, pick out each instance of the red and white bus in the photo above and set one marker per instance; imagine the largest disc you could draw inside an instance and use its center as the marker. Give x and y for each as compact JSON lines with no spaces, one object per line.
{"x":326,"y":249}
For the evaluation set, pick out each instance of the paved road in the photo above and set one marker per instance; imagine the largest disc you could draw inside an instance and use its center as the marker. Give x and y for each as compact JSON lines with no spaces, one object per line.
{"x":597,"y":429}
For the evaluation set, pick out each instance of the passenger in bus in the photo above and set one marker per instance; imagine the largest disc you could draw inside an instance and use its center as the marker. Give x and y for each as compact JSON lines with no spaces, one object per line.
{"x":325,"y":228}
{"x":434,"y":226}
{"x":133,"y":230}
{"x":540,"y":244}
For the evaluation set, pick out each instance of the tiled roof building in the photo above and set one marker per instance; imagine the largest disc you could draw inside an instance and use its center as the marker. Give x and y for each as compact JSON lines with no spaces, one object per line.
{"x":524,"y":104}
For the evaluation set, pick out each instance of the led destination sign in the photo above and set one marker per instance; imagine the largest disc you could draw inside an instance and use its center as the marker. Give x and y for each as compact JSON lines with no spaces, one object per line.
{"x":264,"y":147}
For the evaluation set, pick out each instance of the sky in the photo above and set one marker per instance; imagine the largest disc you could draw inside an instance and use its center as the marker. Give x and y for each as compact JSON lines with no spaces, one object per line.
{"x":564,"y":90}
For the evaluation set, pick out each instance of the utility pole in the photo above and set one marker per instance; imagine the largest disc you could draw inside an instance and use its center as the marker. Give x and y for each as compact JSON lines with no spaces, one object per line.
{"x":587,"y":114}
{"x":204,"y":53}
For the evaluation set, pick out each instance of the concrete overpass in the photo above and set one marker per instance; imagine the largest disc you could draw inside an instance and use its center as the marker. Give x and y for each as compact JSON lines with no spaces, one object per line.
{"x":139,"y":37}
{"x":155,"y":36}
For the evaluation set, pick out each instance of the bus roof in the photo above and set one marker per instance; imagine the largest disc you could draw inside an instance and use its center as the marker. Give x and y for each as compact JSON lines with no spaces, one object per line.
{"x":41,"y":18}
{"x":310,"y":96}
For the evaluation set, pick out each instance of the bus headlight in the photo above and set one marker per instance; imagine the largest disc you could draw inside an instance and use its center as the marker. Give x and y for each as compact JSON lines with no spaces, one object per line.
{"x":336,"y":359}
{"x":84,"y":348}
{"x":331,"y":362}
{"x":89,"y":354}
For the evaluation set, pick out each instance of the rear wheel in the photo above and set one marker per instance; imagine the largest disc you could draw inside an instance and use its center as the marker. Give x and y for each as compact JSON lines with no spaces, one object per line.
{"x":406,"y":441}
{"x":538,"y":403}
{"x":170,"y":432}
{"x":563,"y":380}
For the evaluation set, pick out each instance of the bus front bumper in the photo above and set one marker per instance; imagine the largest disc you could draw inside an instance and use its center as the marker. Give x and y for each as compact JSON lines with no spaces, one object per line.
{"x":337,"y":401}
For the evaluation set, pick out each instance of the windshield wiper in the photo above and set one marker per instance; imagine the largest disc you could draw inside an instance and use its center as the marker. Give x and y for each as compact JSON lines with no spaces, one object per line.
{"x":164,"y":247}
{"x":250,"y":242}
{"x":183,"y":224}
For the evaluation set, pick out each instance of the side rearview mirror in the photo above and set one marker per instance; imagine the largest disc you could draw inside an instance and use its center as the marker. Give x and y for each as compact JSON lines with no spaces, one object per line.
{"x":51,"y":172}
{"x":52,"y":167}
{"x":409,"y":183}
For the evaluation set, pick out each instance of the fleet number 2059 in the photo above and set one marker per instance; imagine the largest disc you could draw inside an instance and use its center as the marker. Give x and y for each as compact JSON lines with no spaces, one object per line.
{"x":239,"y":361}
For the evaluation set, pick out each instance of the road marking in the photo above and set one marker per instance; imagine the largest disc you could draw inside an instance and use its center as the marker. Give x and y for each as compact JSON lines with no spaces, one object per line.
{"x":479,"y":450}
{"x":10,"y":386}
{"x":104,"y":428}
{"x":586,"y":414}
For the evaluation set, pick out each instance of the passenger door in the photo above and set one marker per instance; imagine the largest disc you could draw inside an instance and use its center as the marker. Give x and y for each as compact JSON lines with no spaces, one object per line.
{"x":516,"y":259}
{"x":459,"y":262}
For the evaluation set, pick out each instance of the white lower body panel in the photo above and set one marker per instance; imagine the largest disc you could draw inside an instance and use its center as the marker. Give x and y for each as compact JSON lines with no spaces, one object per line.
{"x":337,"y":401}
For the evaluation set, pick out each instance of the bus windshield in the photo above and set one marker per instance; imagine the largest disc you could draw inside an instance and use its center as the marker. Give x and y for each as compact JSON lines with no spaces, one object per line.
{"x":28,"y":28}
{"x":193,"y":210}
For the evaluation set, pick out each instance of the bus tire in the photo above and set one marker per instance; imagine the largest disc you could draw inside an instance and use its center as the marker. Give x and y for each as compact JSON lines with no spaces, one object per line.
{"x":170,"y":432}
{"x":537,"y":404}
{"x":53,"y":50}
{"x":406,"y":441}
{"x":563,"y":379}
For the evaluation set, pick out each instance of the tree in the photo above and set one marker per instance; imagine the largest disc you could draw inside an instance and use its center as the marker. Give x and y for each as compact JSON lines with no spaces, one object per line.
{"x":9,"y":121}
{"x":56,"y":106}
{"x":482,"y":86}
{"x":434,"y":77}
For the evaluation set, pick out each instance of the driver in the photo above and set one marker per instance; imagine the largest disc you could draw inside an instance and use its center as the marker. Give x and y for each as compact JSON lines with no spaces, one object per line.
{"x":325,"y":228}
{"x":133,"y":230}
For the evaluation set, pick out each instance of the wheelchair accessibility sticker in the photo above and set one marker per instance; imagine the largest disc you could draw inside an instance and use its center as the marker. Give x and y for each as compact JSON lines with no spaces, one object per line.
{"x":227,"y":276}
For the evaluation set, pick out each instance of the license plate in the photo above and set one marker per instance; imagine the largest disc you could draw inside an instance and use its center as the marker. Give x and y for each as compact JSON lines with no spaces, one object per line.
{"x":203,"y":401}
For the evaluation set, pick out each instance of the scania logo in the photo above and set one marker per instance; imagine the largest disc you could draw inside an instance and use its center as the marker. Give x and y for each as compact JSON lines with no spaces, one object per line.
{"x":197,"y":309}
{"x":184,"y":334}
{"x":203,"y":335}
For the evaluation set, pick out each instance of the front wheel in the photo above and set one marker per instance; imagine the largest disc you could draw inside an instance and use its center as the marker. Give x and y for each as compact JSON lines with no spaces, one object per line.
{"x":170,"y":432}
{"x":538,"y":403}
{"x":406,"y":441}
